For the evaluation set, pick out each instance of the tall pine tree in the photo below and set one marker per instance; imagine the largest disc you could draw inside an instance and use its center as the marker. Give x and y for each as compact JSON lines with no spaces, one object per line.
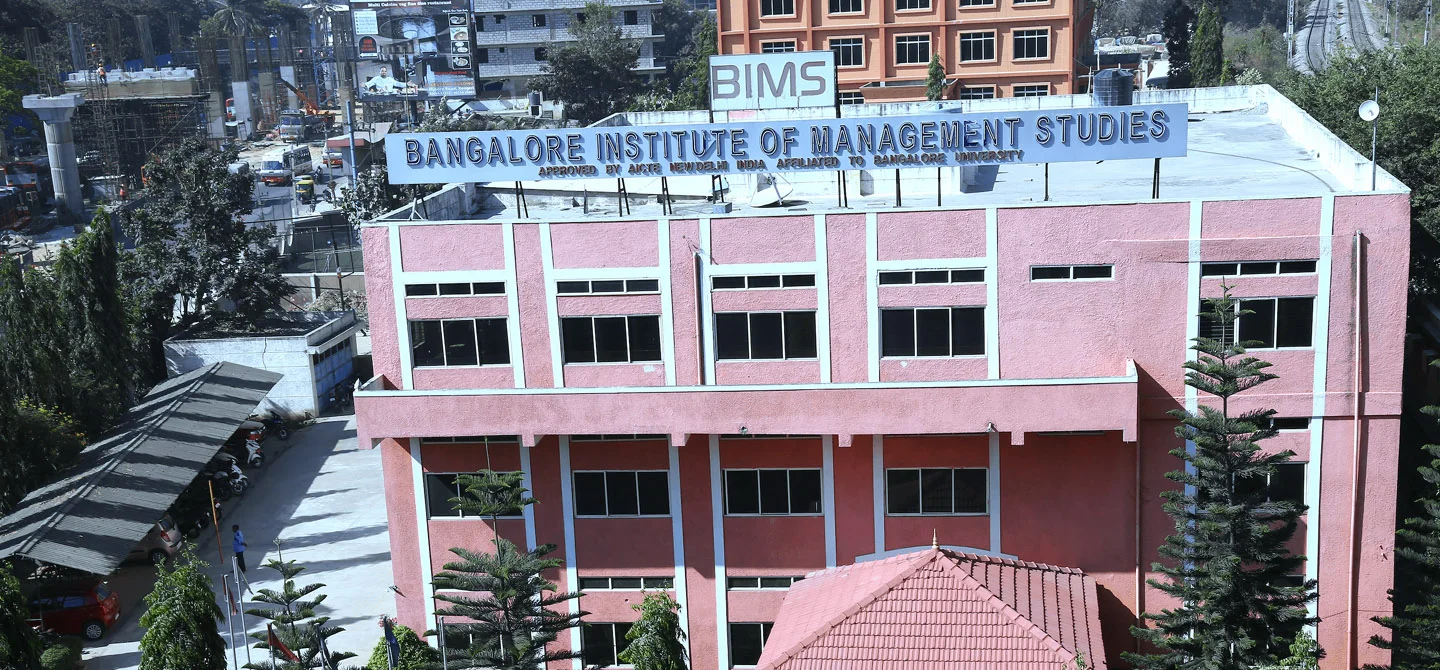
{"x":515,"y":609}
{"x":935,"y":79}
{"x":295,"y":621}
{"x":1207,"y":49}
{"x":1177,"y":27}
{"x":1415,"y":626}
{"x":93,"y":320}
{"x":181,"y":622}
{"x":1229,"y":561}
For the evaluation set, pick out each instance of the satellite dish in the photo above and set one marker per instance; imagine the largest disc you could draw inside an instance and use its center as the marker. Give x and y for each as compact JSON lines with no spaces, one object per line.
{"x":772,"y":193}
{"x":1369,"y":110}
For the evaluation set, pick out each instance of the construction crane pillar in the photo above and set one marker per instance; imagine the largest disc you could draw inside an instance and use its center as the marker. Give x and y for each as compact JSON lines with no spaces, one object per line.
{"x":56,"y":112}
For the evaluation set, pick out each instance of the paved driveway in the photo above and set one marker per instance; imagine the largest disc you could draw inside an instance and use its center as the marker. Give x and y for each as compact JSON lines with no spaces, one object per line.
{"x":322,"y":498}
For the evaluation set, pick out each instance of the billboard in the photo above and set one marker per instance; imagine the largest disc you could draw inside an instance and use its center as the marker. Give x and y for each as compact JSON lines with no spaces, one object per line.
{"x":772,"y":81}
{"x":413,"y":49}
{"x":937,"y":139}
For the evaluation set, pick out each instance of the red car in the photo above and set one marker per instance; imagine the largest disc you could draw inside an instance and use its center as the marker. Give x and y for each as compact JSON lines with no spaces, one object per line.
{"x":86,"y":608}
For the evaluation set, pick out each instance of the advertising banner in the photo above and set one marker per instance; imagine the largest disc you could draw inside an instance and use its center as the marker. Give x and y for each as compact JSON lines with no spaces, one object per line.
{"x":413,"y":49}
{"x":909,"y":141}
{"x":772,"y":81}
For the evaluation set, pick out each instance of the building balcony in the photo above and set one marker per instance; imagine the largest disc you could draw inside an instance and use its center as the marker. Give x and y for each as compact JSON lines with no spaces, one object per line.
{"x":509,"y":69}
{"x":1015,"y":406}
{"x":550,"y":35}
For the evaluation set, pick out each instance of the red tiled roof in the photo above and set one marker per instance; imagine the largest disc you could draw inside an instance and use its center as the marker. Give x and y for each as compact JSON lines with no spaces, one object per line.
{"x":937,"y":608}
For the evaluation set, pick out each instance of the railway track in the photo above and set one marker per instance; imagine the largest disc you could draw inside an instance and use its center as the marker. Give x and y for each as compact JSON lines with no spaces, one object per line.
{"x":1317,"y":32}
{"x":1360,"y":37}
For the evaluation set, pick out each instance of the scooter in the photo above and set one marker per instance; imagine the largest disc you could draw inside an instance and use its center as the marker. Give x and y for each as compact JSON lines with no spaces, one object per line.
{"x":253,"y":432}
{"x":274,"y":425}
{"x":231,"y":477}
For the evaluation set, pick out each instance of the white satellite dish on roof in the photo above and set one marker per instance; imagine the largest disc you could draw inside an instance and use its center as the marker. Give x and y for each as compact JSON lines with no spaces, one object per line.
{"x":1369,"y":110}
{"x":770,"y":190}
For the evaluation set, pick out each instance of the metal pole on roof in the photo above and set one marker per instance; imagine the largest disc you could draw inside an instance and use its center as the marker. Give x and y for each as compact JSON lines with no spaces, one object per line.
{"x":350,"y":124}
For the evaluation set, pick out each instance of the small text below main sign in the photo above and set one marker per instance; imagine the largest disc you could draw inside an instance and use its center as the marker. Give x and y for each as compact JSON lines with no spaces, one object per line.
{"x":772,"y":81}
{"x":932,"y":140}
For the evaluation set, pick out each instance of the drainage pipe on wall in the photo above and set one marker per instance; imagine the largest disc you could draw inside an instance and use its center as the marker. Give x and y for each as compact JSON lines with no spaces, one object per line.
{"x":1139,"y":567}
{"x":1357,"y":370}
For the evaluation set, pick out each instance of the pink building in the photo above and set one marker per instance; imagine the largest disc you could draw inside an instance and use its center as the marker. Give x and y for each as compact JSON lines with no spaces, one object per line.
{"x":719,"y":404}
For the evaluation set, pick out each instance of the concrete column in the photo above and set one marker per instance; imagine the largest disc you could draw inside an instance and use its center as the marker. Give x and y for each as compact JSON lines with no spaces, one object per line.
{"x":56,"y":112}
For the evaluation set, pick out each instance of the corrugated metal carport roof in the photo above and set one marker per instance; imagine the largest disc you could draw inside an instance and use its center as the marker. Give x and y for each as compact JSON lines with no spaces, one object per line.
{"x":122,"y":484}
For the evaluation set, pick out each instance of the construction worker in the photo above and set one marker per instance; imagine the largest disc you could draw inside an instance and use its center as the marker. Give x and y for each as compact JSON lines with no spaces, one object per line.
{"x":100,"y":74}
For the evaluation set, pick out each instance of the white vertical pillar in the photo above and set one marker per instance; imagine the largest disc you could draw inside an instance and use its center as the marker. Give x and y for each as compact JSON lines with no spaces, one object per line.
{"x":717,"y":519}
{"x":827,"y":495}
{"x":567,"y":510}
{"x":878,"y":485}
{"x":677,"y":536}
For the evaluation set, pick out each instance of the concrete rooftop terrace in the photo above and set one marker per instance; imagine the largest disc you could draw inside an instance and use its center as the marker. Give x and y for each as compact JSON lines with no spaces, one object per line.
{"x":1245,"y":142}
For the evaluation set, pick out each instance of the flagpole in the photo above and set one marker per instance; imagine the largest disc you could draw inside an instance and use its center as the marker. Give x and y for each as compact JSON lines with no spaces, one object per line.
{"x":240,"y":598}
{"x":229,"y":623}
{"x":444,"y":662}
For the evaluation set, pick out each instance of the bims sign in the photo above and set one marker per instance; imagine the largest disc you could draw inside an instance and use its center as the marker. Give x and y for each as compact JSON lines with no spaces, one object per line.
{"x":772,"y":81}
{"x":889,"y":142}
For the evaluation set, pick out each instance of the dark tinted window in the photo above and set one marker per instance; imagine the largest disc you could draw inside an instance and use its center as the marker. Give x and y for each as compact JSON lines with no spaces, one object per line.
{"x":439,"y":489}
{"x":454,"y":289}
{"x":488,"y":288}
{"x":590,"y":493}
{"x":937,"y":495}
{"x":967,"y":276}
{"x":774,"y":492}
{"x":494,"y":341}
{"x":598,"y":644}
{"x":644,"y":338}
{"x":1267,"y":268}
{"x":460,"y":346}
{"x":610,"y":342}
{"x":654,"y":492}
{"x":765,"y":336}
{"x":747,"y":640}
{"x":1055,"y":272}
{"x":1093,"y":271}
{"x":799,"y":280}
{"x":1257,"y":322}
{"x":967,"y":331}
{"x":932,"y":332}
{"x":620,"y":495}
{"x":765,"y":281}
{"x":970,"y":487}
{"x":1288,"y":483}
{"x":572,"y":287}
{"x":897,"y":277}
{"x":897,"y":332}
{"x":732,"y":336}
{"x":1296,"y":267}
{"x":932,"y":277}
{"x":426,"y":346}
{"x":626,"y":583}
{"x":607,"y":286}
{"x":642,"y":285}
{"x":799,"y":334}
{"x":1294,"y":319}
{"x":1219,"y":269}
{"x":805,"y":492}
{"x":902,"y":488}
{"x":742,"y":492}
{"x":729,"y":282}
{"x":420,"y":289}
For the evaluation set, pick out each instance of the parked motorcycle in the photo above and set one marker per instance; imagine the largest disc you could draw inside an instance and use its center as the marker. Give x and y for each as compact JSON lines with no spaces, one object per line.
{"x":244,"y":444}
{"x":273,"y":424}
{"x":230,"y":477}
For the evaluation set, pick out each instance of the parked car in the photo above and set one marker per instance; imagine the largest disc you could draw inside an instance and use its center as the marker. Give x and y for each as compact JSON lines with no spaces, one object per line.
{"x":84,"y":607}
{"x":159,"y":544}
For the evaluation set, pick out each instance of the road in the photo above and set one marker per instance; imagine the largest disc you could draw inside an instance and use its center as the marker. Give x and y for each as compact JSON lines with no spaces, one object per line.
{"x":1331,"y":25}
{"x":318,"y":498}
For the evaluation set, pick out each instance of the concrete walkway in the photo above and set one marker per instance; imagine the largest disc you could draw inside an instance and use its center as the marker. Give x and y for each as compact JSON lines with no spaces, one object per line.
{"x":322,"y":498}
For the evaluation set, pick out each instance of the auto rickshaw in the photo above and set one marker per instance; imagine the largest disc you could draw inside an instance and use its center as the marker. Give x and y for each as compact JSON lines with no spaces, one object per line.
{"x":305,"y":188}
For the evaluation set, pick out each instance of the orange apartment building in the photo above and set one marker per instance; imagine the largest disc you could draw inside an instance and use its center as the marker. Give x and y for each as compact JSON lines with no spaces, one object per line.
{"x":989,"y":48}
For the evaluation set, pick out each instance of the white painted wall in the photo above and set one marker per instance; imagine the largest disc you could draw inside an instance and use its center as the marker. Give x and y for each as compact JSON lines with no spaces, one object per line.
{"x":288,"y":356}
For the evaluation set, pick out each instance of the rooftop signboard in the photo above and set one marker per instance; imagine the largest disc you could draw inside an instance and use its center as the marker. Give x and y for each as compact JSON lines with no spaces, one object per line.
{"x":937,"y":140}
{"x":772,"y":81}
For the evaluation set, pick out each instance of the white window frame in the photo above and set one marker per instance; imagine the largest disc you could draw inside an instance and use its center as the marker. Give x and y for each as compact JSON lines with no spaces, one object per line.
{"x":778,"y":47}
{"x":830,"y":42}
{"x":912,"y":282}
{"x":782,"y":3}
{"x":980,"y":4}
{"x":929,"y":48}
{"x":1274,"y":335}
{"x":750,"y":337}
{"x":669,"y":504}
{"x":595,"y":346}
{"x":1040,"y":34}
{"x":729,"y":585}
{"x":849,"y":98}
{"x":749,"y":278}
{"x":915,"y":331}
{"x":458,"y":516}
{"x":725,"y":494}
{"x":590,"y":287}
{"x":927,"y":6}
{"x":830,"y":4}
{"x":438,"y":294}
{"x":1071,"y":273}
{"x":1239,"y":264}
{"x":764,"y":636}
{"x":977,"y":92}
{"x":921,"y":492}
{"x":609,"y":583}
{"x":1033,"y":94}
{"x":615,"y":638}
{"x":445,"y":350}
{"x":978,"y":36}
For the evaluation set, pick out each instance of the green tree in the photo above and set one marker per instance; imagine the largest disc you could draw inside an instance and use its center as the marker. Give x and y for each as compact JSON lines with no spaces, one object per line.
{"x":1414,"y":640}
{"x":237,"y":17}
{"x":593,"y":75}
{"x":17,"y":79}
{"x":1177,"y":29}
{"x":93,"y":318}
{"x":414,"y":653}
{"x":1229,"y":557}
{"x":195,"y":261}
{"x":20,"y":647}
{"x":371,"y":196}
{"x":515,"y":610}
{"x":691,"y":73}
{"x":657,"y":642}
{"x":1207,"y":51}
{"x":1409,"y":132}
{"x":181,"y":631}
{"x":295,"y":621}
{"x":935,"y":79}
{"x":677,"y":23}
{"x":38,"y":443}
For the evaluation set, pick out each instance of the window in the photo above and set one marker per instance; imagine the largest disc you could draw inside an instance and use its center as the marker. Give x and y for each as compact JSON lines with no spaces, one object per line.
{"x":772,"y":492}
{"x":763,"y":281}
{"x":977,"y":92}
{"x":747,"y":640}
{"x":618,"y":437}
{"x":912,"y":49}
{"x":852,"y":98}
{"x":977,"y":46}
{"x":977,"y":3}
{"x":482,"y":55}
{"x":932,"y":277}
{"x":471,"y":439}
{"x":938,"y":332}
{"x":764,"y":335}
{"x":480,"y":23}
{"x":902,"y":5}
{"x":1286,"y":484}
{"x":631,"y":17}
{"x":746,"y":583}
{"x":537,"y":20}
{"x":936,"y":491}
{"x":1032,"y":90}
{"x":601,"y":643}
{"x":610,"y":339}
{"x":1256,"y":268}
{"x":440,"y":488}
{"x":1070,"y":272}
{"x":1032,"y":44}
{"x":1267,"y":323}
{"x":540,"y":54}
{"x":1290,"y":423}
{"x":607,"y":286}
{"x":622,"y":493}
{"x":847,"y":6}
{"x":777,"y":7}
{"x":455,"y":289}
{"x":455,"y":342}
{"x":782,"y":47}
{"x":625,"y":583}
{"x":849,"y":51}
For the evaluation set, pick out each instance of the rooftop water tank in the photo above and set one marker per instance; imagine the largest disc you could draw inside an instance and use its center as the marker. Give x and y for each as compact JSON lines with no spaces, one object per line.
{"x":1114,"y":87}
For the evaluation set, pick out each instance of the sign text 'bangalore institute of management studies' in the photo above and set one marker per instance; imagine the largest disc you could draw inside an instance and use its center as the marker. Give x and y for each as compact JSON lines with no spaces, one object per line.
{"x":891,"y":142}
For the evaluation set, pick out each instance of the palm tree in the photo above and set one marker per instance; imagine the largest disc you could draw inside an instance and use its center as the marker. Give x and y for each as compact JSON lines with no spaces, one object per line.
{"x":237,"y":17}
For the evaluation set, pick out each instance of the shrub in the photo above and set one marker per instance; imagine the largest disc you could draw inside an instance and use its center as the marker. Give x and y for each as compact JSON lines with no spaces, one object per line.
{"x":63,"y":655}
{"x":414,"y":653}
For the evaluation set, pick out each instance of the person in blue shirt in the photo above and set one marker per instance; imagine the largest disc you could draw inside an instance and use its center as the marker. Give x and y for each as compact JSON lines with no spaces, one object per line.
{"x":238,"y":546}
